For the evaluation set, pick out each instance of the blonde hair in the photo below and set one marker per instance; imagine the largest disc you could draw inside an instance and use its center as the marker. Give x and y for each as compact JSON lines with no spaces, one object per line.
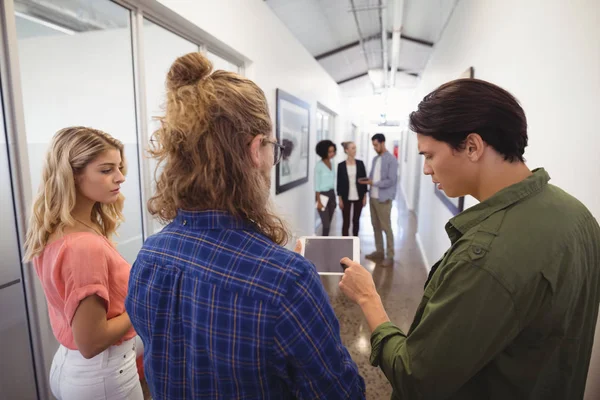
{"x":71,"y":150}
{"x":346,"y":144}
{"x":203,"y":146}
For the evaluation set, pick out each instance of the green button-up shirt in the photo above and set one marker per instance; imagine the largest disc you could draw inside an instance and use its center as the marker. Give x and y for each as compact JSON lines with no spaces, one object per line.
{"x":510,"y":310}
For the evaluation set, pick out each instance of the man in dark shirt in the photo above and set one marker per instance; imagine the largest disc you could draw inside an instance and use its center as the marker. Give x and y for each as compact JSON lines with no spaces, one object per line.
{"x":510,"y":310}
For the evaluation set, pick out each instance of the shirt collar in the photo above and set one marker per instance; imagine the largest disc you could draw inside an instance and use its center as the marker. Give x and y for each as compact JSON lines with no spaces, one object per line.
{"x":211,"y":219}
{"x":386,"y":154}
{"x":473,"y":216}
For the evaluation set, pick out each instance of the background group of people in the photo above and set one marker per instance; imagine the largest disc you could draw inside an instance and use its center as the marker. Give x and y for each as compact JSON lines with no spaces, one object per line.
{"x":352,"y":185}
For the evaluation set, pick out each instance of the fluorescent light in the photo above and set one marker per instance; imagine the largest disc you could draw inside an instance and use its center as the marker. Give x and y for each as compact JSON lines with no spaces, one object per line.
{"x":377,"y":77}
{"x":45,"y":23}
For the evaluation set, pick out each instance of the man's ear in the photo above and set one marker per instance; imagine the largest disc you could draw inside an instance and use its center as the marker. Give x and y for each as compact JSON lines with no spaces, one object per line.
{"x":255,"y":146}
{"x":474,"y":146}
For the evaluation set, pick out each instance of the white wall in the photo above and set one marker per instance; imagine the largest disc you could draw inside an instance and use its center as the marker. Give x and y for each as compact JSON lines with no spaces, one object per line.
{"x":547,"y":53}
{"x":277,"y":60}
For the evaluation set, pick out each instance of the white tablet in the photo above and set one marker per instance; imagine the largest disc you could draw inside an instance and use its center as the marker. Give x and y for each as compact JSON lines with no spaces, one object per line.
{"x":327,"y":251}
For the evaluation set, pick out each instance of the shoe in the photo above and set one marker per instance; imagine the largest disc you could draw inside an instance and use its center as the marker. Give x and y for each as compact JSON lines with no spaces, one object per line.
{"x":374,"y":256}
{"x":388,"y":262}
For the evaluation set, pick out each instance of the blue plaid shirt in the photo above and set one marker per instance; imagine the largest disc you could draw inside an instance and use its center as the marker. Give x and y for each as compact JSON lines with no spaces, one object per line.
{"x":224,"y":313}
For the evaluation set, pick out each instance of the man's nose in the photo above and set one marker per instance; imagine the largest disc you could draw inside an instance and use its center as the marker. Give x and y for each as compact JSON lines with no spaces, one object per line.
{"x":427,"y":170}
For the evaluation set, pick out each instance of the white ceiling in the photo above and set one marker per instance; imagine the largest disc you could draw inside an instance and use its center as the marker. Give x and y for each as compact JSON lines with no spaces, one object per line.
{"x":327,"y":28}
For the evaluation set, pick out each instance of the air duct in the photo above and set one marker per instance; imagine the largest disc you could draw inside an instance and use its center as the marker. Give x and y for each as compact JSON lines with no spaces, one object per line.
{"x":396,"y":30}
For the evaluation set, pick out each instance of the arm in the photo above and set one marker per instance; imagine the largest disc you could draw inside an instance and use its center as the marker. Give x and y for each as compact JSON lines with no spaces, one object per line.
{"x":339,"y":186}
{"x":317,"y":177}
{"x":468,"y":319}
{"x":92,"y":332}
{"x":309,"y":354}
{"x":363,"y":169}
{"x":363,"y":174}
{"x":372,"y":173}
{"x":84,"y":270}
{"x":390,"y":177}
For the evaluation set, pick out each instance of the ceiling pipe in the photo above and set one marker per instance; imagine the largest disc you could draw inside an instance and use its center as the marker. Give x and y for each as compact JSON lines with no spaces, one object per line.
{"x":396,"y":31}
{"x":365,"y":8}
{"x":384,"y":43}
{"x":360,"y":35}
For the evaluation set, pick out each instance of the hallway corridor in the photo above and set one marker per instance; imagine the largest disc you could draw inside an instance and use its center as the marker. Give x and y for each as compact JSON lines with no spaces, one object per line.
{"x":400,"y":288}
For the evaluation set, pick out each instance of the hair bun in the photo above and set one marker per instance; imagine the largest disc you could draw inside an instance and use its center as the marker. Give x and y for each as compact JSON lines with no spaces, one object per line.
{"x":188,"y":70}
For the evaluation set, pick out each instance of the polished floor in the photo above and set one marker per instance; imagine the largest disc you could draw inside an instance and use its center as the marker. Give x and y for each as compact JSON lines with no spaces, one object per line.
{"x":400,"y":288}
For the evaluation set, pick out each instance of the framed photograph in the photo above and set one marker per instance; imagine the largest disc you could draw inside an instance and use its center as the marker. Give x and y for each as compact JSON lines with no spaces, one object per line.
{"x":293,"y":132}
{"x":455,"y":205}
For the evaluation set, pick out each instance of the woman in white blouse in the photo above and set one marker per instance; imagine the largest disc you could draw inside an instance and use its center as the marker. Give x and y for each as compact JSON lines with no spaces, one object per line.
{"x":351,"y":193}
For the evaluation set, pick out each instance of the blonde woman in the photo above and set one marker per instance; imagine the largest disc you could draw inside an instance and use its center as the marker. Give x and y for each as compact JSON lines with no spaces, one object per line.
{"x":76,"y":211}
{"x":352,"y":194}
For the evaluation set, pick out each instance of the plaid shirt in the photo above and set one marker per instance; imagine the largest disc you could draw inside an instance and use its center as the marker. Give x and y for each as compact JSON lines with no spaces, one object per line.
{"x":224,"y":313}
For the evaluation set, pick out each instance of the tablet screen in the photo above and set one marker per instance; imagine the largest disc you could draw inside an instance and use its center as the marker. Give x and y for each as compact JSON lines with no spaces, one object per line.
{"x":327,"y":253}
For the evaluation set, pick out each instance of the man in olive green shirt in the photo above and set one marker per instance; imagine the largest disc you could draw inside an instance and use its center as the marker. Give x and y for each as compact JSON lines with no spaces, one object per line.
{"x":509,"y":312}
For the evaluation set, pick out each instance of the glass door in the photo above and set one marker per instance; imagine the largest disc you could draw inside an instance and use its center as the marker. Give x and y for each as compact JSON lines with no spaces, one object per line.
{"x":17,"y":377}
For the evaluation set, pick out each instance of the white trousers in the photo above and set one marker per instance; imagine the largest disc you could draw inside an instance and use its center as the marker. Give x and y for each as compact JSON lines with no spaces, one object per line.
{"x":111,"y":375}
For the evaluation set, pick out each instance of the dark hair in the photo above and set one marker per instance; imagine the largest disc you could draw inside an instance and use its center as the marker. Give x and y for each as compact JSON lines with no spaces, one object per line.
{"x":380,"y":137}
{"x":323,"y":148}
{"x":288,"y":147}
{"x":464,"y":106}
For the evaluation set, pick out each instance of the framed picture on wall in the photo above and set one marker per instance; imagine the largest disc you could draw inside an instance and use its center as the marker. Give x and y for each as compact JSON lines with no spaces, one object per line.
{"x":293,"y":132}
{"x":455,"y":205}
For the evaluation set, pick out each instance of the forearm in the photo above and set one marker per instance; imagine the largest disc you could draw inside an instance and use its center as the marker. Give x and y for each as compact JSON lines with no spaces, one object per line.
{"x":374,"y":312}
{"x":100,"y":338}
{"x":384,"y":183}
{"x":116,"y":328}
{"x":317,"y":197}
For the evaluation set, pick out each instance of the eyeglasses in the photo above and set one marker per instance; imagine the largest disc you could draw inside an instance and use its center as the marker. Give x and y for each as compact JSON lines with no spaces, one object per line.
{"x":277,"y":150}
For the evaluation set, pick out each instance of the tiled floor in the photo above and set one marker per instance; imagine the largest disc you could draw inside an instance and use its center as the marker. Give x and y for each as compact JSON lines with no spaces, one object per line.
{"x":400,"y":288}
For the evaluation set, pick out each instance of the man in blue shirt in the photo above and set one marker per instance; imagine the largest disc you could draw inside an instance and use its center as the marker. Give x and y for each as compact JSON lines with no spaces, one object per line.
{"x":224,"y":311}
{"x":383,"y":180}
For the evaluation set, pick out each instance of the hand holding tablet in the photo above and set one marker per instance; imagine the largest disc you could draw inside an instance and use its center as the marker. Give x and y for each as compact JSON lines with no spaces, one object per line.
{"x":327,"y":251}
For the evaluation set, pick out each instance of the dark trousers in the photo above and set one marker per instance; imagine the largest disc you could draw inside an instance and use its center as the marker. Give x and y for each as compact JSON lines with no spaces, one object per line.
{"x":357,"y":206}
{"x":327,"y":215}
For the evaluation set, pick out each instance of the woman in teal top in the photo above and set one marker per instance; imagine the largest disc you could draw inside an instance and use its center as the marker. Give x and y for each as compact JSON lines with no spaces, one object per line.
{"x":325,"y":182}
